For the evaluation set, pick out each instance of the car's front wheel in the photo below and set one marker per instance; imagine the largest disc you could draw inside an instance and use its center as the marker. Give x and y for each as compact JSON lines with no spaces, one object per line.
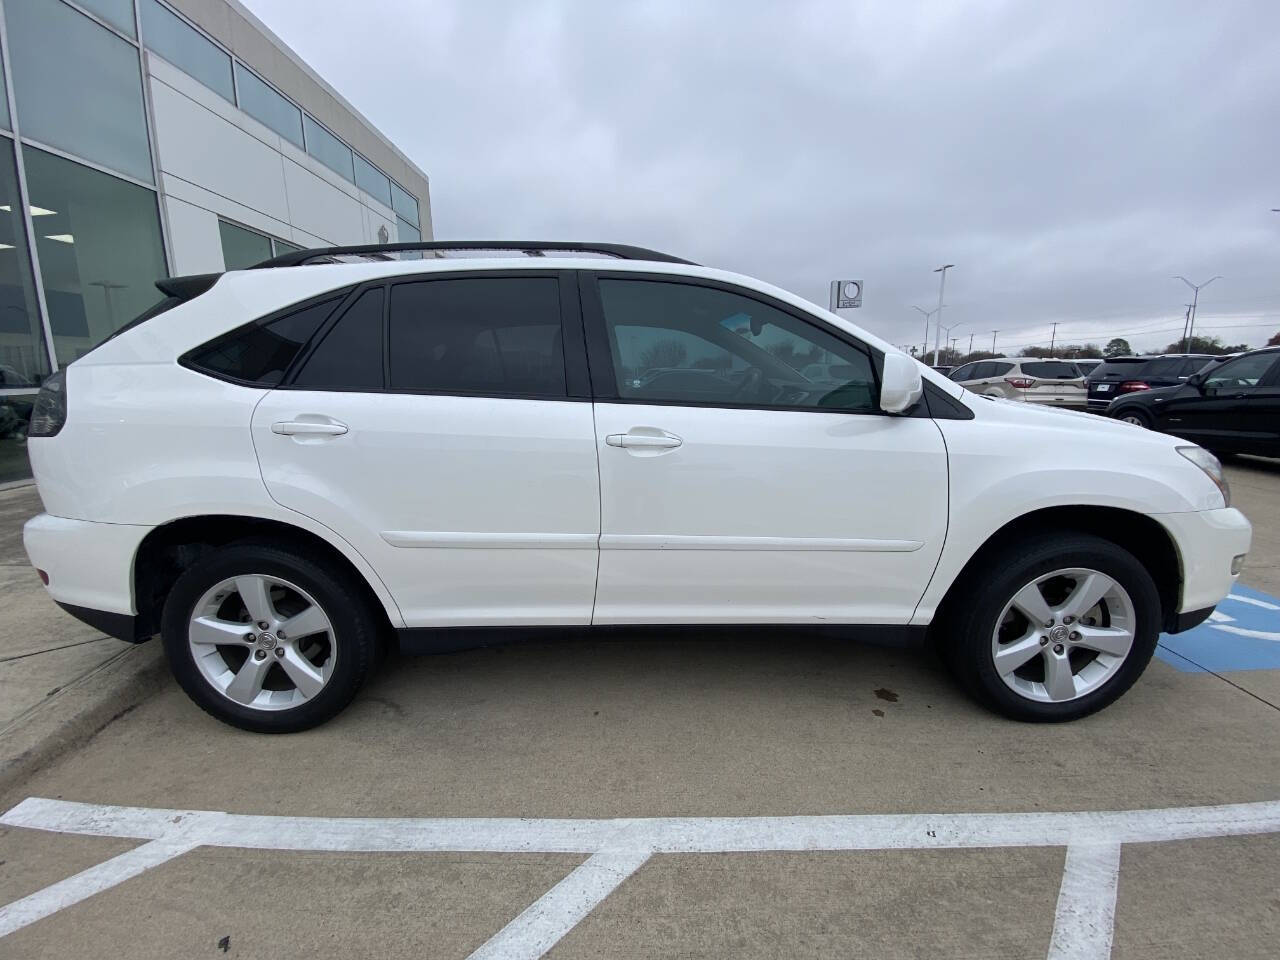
{"x":266,"y":639}
{"x":1066,"y":624}
{"x":1135,"y":415}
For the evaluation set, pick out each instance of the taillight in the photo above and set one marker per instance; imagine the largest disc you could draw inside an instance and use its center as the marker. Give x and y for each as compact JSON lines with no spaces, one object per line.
{"x":49,"y":412}
{"x":1131,"y":386}
{"x":1022,"y":383}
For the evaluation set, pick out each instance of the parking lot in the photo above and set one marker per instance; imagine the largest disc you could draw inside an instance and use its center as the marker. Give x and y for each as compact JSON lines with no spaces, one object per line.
{"x":817,"y":799}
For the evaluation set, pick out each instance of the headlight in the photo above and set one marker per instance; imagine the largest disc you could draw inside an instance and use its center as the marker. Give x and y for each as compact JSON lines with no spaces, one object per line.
{"x":1207,"y":462}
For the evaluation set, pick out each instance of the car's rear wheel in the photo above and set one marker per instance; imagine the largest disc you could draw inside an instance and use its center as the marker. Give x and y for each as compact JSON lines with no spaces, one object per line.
{"x":1066,"y":625}
{"x":267,"y":640}
{"x":1136,"y":416}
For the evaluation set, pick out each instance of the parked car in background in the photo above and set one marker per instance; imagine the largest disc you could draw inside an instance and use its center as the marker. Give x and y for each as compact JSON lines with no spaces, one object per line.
{"x":1056,"y":383}
{"x":1231,"y":407}
{"x":944,"y":369}
{"x":1087,"y":366}
{"x":1120,"y":375}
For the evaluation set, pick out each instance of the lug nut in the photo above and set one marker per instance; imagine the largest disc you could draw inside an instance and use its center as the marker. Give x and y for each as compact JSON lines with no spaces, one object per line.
{"x":279,"y":651}
{"x":262,"y":624}
{"x":249,"y":638}
{"x":1048,"y":623}
{"x":259,"y":654}
{"x":280,"y":635}
{"x":1058,"y":648}
{"x":1068,"y":619}
{"x":1044,"y":641}
{"x":1074,"y":635}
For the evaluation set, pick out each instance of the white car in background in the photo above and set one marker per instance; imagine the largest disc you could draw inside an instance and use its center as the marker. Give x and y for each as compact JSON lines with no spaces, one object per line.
{"x":1055,"y":383}
{"x":278,"y":470}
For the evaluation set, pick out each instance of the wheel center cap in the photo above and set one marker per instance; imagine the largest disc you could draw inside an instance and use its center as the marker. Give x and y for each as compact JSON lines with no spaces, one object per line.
{"x":1058,"y":634}
{"x":267,"y":641}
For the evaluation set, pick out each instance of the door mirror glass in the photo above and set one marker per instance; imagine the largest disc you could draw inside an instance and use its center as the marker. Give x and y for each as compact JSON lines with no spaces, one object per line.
{"x":901,"y":386}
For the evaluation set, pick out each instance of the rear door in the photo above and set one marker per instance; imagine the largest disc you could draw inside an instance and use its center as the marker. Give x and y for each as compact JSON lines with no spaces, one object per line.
{"x":443,"y":427}
{"x":733,"y":488}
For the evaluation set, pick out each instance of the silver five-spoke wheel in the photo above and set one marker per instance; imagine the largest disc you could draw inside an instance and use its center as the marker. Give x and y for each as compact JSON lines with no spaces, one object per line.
{"x":262,"y":641}
{"x":1063,"y":635}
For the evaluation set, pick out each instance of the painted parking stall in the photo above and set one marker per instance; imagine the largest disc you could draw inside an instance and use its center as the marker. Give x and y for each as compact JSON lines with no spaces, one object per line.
{"x":1243,"y":633}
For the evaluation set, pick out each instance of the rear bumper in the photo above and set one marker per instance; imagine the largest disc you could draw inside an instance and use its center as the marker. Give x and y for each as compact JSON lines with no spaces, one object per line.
{"x":1208,"y":542}
{"x":89,"y":565}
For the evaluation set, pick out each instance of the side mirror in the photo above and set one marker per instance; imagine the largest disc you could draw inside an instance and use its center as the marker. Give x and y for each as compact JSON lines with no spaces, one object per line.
{"x":900,"y":384}
{"x":1196,"y":380}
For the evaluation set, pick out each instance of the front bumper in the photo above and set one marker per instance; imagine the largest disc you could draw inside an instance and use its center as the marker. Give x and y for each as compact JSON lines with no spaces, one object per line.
{"x":1208,"y":542}
{"x":89,"y":565}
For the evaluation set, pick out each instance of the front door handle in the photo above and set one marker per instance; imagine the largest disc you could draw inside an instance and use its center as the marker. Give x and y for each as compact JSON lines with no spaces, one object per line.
{"x":647,"y":441}
{"x":309,"y":428}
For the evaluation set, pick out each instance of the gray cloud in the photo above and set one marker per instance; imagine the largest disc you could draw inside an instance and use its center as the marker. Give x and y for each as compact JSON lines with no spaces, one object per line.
{"x":1069,"y":158}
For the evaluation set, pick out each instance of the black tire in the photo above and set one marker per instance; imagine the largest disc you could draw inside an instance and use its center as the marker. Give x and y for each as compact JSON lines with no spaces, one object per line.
{"x":967,"y":639}
{"x":1137,"y":414}
{"x":355,"y":633}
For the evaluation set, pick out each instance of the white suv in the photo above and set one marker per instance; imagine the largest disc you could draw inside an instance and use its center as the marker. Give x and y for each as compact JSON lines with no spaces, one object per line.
{"x":279,"y":470}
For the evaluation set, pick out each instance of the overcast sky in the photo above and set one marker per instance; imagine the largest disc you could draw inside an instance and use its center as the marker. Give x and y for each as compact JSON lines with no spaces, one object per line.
{"x":1068,"y":158}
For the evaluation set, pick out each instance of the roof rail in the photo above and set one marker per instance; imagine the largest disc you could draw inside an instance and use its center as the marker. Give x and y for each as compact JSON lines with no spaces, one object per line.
{"x":531,"y":248}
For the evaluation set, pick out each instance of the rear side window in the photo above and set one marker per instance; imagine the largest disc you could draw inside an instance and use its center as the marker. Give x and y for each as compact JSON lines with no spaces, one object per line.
{"x":998,"y":369}
{"x":1051,"y":370}
{"x":350,"y":355}
{"x":1192,"y":365}
{"x":260,"y":352}
{"x":962,"y":373}
{"x":485,"y":335}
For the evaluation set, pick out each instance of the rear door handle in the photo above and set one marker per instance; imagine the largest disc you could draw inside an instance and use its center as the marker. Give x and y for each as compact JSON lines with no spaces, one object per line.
{"x":309,"y":428}
{"x":643,"y":440}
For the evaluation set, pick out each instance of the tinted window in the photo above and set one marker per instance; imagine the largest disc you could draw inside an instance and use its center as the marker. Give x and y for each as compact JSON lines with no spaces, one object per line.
{"x":260,"y":101}
{"x":186,"y":48}
{"x":78,"y":86}
{"x":674,"y":342}
{"x":1192,"y":365}
{"x":261,"y":352}
{"x":1244,"y":373}
{"x":1050,"y":370}
{"x":998,"y":369}
{"x":1163,"y":367}
{"x":350,"y":355}
{"x":493,"y":335}
{"x":981,"y":371}
{"x":1118,"y":369}
{"x":242,"y":248}
{"x":962,"y":373}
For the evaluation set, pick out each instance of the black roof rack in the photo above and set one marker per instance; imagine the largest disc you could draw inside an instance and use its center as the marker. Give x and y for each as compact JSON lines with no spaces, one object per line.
{"x":532,"y":248}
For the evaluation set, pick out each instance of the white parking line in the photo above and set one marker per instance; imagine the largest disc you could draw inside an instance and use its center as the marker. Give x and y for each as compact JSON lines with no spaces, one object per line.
{"x":1083,"y":920}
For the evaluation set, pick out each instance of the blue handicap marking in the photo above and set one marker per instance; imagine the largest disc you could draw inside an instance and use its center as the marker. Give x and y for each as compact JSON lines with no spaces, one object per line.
{"x":1243,"y":633}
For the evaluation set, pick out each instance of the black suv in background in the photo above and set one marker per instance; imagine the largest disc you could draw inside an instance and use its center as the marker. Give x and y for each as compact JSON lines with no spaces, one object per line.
{"x":1120,"y":375}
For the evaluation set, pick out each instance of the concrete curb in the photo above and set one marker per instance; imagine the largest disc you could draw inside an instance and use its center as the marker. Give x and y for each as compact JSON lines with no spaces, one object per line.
{"x":70,"y":717}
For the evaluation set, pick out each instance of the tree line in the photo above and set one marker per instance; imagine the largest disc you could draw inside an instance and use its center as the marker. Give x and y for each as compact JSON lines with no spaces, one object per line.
{"x":1116,"y":347}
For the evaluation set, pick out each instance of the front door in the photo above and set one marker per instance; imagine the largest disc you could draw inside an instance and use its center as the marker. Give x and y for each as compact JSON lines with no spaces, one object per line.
{"x":734,"y":487}
{"x":460,"y":459}
{"x":1232,"y":410}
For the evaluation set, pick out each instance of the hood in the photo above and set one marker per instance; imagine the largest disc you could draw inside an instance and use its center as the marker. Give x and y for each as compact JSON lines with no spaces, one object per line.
{"x":1091,"y":425}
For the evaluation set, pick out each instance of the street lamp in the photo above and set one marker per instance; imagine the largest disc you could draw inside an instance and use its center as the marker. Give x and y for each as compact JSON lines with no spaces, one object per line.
{"x":924,"y":350}
{"x":948,"y":329}
{"x":942,"y":285}
{"x":1195,"y":299}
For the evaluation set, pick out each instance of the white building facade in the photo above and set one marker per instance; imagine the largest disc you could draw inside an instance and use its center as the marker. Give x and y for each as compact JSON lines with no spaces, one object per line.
{"x":149,"y":138}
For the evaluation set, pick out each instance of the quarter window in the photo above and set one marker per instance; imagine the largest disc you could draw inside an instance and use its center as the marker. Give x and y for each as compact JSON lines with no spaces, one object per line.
{"x":259,"y":353}
{"x":350,"y":355}
{"x":683,"y":343}
{"x":494,"y":336}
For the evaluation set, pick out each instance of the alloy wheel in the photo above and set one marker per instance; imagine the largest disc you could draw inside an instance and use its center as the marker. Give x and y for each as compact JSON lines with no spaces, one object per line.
{"x":1063,"y":635}
{"x":262,"y":642}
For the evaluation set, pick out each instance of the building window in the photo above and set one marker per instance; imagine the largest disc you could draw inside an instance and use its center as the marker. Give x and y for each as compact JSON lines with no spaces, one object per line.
{"x":373,"y":181}
{"x":24,"y":362}
{"x":78,"y":86}
{"x":100,"y":250}
{"x":404,"y":205}
{"x":407,"y":233}
{"x":187,"y":49}
{"x":118,"y":13}
{"x":260,"y":101}
{"x":328,"y":149}
{"x":242,"y":248}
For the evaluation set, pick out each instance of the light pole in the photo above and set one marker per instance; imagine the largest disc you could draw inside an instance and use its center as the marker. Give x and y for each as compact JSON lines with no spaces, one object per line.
{"x":971,"y":344}
{"x":924,"y":350}
{"x":948,"y":337}
{"x":942,"y":285}
{"x":1195,"y":299}
{"x":993,"y":340}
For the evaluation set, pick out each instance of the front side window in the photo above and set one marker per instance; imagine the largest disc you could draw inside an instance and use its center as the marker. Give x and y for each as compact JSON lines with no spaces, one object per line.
{"x":964,"y":373}
{"x":1244,"y":373}
{"x":683,"y":343}
{"x":260,"y":353}
{"x":492,"y":336}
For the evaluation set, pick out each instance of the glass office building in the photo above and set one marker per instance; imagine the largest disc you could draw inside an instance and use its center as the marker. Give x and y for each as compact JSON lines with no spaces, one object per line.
{"x":141,"y":139}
